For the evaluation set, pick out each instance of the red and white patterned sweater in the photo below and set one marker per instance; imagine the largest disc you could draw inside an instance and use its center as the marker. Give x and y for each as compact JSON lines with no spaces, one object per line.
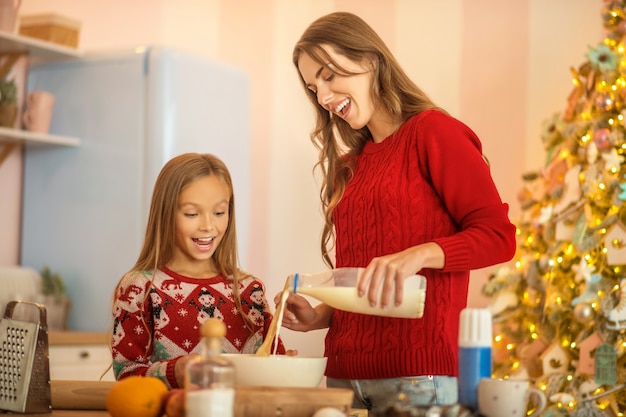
{"x":173,"y":316}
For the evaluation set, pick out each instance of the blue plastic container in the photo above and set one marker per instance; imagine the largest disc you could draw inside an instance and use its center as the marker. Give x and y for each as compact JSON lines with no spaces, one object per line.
{"x":475,"y":359}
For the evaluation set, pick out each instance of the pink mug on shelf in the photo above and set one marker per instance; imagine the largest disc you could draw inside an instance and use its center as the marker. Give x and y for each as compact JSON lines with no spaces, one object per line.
{"x":8,"y":14}
{"x":38,"y":111}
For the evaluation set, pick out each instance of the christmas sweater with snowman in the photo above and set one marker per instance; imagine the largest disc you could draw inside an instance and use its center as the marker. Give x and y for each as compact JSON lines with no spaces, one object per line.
{"x":157,"y":319}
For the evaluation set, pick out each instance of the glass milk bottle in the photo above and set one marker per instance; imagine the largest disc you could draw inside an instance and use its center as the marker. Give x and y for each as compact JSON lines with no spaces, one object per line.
{"x":337,"y":288}
{"x":210,"y":378}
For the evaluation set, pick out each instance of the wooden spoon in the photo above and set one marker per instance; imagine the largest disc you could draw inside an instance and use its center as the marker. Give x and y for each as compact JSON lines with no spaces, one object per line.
{"x":266,"y":347}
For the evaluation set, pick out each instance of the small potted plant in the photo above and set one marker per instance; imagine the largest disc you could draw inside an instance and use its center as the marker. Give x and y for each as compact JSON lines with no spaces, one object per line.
{"x":54,"y":297}
{"x":8,"y":102}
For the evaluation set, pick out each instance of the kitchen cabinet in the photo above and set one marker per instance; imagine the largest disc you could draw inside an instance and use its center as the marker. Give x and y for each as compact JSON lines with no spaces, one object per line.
{"x":13,"y":46}
{"x":79,"y":356}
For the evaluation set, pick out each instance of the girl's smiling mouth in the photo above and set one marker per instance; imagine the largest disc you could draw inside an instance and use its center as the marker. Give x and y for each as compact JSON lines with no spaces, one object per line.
{"x":203,"y":241}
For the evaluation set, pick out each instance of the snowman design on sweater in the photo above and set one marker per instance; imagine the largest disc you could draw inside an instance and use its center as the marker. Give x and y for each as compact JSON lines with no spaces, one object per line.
{"x":157,"y":318}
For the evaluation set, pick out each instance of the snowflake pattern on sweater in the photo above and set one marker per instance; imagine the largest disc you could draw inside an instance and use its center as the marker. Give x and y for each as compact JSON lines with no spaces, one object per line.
{"x":149,"y":340}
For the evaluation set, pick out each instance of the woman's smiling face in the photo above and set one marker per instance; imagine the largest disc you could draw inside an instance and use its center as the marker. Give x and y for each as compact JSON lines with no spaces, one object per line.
{"x":344,"y":95}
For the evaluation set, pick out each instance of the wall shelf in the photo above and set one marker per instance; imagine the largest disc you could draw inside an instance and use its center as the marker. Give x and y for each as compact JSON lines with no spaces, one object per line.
{"x":8,"y":135}
{"x":38,"y":50}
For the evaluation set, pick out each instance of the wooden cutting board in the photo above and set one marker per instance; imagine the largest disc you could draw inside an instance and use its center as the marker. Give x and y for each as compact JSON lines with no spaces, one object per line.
{"x":257,"y":401}
{"x":79,"y":395}
{"x":292,"y":402}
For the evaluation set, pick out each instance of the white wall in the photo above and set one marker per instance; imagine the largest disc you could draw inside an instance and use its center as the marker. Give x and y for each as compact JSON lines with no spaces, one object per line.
{"x":501,"y":66}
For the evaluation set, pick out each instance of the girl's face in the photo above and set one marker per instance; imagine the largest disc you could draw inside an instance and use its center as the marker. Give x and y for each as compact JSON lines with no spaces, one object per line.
{"x":201,"y":221}
{"x":345,"y":96}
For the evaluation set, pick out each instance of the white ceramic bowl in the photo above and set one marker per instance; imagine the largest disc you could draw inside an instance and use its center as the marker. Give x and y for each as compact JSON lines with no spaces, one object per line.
{"x":278,"y":370}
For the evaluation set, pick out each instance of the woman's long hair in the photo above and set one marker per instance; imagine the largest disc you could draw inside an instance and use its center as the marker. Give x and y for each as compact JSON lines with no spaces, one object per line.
{"x":338,"y":144}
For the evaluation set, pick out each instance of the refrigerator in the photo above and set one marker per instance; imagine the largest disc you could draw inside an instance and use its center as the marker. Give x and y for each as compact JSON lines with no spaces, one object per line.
{"x":85,"y":207}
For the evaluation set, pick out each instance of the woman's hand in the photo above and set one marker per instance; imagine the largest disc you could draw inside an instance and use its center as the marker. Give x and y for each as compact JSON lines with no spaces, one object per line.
{"x":386,"y":274}
{"x":300,"y":316}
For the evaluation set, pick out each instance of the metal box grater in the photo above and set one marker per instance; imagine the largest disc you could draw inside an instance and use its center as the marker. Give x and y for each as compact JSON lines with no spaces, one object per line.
{"x":24,"y":363}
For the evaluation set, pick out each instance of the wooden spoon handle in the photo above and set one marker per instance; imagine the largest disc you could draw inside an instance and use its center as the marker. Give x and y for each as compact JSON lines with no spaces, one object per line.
{"x":266,"y":347}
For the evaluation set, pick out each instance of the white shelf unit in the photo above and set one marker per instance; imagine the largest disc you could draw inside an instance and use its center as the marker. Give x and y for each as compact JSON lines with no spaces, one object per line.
{"x":38,"y":51}
{"x":8,"y":135}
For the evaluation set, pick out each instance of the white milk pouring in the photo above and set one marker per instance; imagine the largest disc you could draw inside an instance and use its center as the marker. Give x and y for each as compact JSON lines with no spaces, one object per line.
{"x":337,"y":288}
{"x":347,"y":299}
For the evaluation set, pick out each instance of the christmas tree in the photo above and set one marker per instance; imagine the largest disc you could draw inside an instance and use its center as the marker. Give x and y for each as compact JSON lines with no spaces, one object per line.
{"x":559,"y":308}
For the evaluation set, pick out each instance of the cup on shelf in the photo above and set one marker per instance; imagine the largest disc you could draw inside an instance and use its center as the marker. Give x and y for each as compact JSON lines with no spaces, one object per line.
{"x":8,"y":14}
{"x":38,"y":111}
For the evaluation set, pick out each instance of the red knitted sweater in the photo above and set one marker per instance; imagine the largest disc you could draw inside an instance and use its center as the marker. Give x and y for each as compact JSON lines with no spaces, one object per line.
{"x":428,"y":182}
{"x":149,"y":341}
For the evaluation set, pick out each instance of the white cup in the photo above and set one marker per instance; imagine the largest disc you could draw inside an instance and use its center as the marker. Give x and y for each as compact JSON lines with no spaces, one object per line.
{"x":508,"y":397}
{"x":38,"y":112}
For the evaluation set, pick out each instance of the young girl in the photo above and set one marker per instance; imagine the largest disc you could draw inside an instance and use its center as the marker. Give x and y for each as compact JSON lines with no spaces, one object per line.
{"x":187,"y":272}
{"x":405,"y":190}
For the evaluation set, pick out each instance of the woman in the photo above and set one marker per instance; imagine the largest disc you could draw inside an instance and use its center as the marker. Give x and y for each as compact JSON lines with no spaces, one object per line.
{"x":405,"y":190}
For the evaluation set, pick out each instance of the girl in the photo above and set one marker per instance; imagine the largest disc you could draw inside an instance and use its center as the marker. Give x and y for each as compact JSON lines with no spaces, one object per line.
{"x":187,"y":272}
{"x":405,"y":190}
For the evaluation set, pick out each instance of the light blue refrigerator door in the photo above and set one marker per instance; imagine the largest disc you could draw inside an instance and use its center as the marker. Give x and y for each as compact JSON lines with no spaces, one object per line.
{"x":200,"y":105}
{"x":85,"y":208}
{"x":82,"y":208}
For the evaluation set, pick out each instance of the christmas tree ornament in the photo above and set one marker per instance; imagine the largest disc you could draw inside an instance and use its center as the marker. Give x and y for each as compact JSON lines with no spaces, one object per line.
{"x":583,"y":313}
{"x":601,"y":138}
{"x":502,"y":302}
{"x":529,"y":357}
{"x":555,"y":359}
{"x":571,"y":190}
{"x":587,"y":348}
{"x":615,"y":244}
{"x":606,"y":365}
{"x":616,"y":318}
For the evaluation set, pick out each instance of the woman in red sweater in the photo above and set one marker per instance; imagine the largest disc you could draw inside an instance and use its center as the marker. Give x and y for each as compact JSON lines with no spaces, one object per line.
{"x":405,"y":190}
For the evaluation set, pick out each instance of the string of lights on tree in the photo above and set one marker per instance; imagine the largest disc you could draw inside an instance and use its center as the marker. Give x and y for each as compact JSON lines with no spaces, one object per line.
{"x":560,"y":307}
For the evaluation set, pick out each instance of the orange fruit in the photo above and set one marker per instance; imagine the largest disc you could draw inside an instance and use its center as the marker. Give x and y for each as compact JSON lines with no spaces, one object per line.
{"x":136,"y":396}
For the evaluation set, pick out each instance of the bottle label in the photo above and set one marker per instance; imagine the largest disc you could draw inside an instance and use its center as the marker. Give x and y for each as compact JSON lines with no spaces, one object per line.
{"x":218,"y":402}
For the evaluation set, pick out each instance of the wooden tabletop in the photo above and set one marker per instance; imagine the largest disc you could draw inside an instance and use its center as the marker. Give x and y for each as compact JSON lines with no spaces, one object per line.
{"x":73,"y":413}
{"x":99,"y":413}
{"x":78,"y":338}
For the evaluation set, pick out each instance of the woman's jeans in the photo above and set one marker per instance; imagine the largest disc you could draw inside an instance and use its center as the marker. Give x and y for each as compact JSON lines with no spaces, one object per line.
{"x":377,"y":395}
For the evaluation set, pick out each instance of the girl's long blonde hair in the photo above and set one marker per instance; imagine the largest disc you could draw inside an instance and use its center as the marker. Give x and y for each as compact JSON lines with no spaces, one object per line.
{"x":338,"y":144}
{"x":175,"y":175}
{"x":159,"y":241}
